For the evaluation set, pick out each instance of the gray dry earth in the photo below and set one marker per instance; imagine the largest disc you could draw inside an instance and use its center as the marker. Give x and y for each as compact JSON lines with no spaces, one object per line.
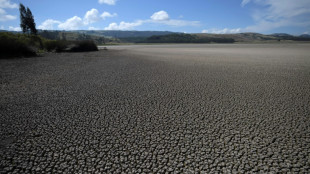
{"x":158,"y":109}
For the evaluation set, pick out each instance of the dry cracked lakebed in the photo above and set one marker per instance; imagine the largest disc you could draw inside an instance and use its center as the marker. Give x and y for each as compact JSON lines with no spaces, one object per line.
{"x":157,"y":109}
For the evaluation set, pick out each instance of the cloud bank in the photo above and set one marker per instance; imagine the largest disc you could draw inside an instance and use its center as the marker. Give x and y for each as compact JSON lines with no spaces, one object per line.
{"x":105,"y":15}
{"x":222,"y":31}
{"x":109,"y":2}
{"x":272,"y":14}
{"x":48,"y":24}
{"x":160,"y":17}
{"x":74,"y":23}
{"x":14,"y":28}
{"x":91,"y":16}
{"x":124,"y":25}
{"x":3,"y":15}
{"x":7,"y":4}
{"x":276,"y":14}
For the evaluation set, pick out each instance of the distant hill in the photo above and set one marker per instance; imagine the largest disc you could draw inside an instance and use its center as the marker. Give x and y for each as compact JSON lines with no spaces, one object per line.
{"x":284,"y":36}
{"x":123,"y":34}
{"x":281,"y":35}
{"x":103,"y":36}
{"x":75,"y":36}
{"x":239,"y":37}
{"x":257,"y":37}
{"x":305,"y":36}
{"x":114,"y":36}
{"x":186,"y":38}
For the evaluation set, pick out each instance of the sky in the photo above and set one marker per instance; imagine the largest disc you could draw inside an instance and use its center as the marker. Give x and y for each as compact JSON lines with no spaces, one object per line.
{"x":189,"y":16}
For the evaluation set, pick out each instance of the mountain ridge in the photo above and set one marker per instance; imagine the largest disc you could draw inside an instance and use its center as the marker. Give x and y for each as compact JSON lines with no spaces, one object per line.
{"x":131,"y":36}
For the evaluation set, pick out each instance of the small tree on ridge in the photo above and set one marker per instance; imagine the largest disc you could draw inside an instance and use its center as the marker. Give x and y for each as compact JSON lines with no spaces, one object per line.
{"x":23,"y":22}
{"x":30,"y":22}
{"x":27,"y":23}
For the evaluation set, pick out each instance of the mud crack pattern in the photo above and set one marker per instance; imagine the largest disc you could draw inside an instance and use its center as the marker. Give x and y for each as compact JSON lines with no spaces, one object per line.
{"x":177,"y":110}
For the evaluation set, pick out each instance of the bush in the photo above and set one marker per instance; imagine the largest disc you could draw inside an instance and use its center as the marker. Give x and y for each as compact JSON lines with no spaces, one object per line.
{"x":16,"y":45}
{"x":171,"y":38}
{"x":21,"y":45}
{"x":55,"y":45}
{"x":82,"y":46}
{"x":70,"y":46}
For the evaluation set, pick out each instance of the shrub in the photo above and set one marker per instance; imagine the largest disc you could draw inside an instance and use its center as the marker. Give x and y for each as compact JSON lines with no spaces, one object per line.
{"x":55,"y":45}
{"x":70,"y":46}
{"x":82,"y":46}
{"x":21,"y":45}
{"x":12,"y":45}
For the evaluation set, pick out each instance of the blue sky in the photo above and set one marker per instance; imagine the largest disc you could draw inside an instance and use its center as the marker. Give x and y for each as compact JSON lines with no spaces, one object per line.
{"x":190,"y":16}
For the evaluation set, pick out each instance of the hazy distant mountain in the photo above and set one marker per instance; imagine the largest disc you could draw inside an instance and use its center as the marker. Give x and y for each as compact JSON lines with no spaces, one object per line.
{"x":123,"y":34}
{"x":75,"y":35}
{"x":240,"y":37}
{"x":305,"y":36}
{"x":284,"y":36}
{"x":113,"y":36}
{"x":281,"y":35}
{"x":113,"y":33}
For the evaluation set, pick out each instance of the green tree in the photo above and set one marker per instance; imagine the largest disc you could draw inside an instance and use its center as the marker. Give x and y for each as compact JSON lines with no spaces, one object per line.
{"x":23,"y":22}
{"x":27,"y":23}
{"x":30,"y":22}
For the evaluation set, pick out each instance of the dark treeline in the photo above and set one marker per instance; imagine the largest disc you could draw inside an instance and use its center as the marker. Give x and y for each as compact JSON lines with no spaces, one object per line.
{"x":185,"y":38}
{"x":294,"y":38}
{"x":72,"y":36}
{"x":60,"y":35}
{"x":53,"y":35}
{"x":133,"y":39}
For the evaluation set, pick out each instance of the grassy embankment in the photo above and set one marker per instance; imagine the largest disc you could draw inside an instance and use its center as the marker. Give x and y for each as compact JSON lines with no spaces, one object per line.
{"x":22,"y":45}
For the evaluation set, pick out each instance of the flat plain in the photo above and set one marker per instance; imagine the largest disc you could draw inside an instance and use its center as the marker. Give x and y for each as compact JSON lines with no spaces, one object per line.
{"x":235,"y":108}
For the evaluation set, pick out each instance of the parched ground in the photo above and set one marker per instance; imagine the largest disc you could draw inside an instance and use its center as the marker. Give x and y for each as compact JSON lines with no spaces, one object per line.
{"x":156,"y":109}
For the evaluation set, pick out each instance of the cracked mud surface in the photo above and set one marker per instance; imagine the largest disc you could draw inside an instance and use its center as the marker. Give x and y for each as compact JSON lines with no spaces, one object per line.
{"x":156,"y":109}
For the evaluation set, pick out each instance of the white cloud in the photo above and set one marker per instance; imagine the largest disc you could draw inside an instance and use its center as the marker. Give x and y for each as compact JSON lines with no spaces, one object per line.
{"x":306,"y":32}
{"x":14,"y":28}
{"x":93,"y":28}
{"x":48,"y":24}
{"x":160,"y":16}
{"x":72,"y":23}
{"x":222,"y":31}
{"x":91,"y":16}
{"x":105,"y":15}
{"x":123,"y":25}
{"x":2,"y":27}
{"x":6,"y":17}
{"x":7,"y":4}
{"x":244,"y":2}
{"x":76,"y":22}
{"x":109,"y":2}
{"x":177,"y":23}
{"x":274,"y":14}
{"x":282,"y":9}
{"x":131,"y":25}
